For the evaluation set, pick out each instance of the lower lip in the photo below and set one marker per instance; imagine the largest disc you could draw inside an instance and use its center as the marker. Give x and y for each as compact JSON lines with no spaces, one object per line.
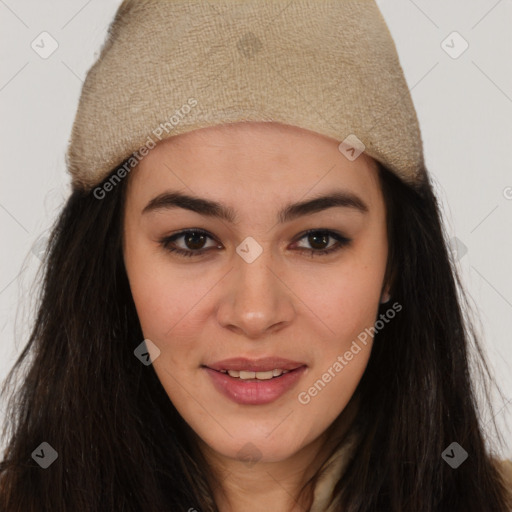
{"x":254,"y":393}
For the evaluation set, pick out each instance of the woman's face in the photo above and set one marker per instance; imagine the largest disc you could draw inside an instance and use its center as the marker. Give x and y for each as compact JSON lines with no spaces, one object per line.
{"x":252,"y":287}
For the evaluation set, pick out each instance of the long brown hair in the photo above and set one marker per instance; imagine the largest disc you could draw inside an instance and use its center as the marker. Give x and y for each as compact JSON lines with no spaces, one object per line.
{"x":121,"y":444}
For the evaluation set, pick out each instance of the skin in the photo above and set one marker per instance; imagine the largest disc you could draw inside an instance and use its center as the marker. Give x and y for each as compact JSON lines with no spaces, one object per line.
{"x":202,"y":309}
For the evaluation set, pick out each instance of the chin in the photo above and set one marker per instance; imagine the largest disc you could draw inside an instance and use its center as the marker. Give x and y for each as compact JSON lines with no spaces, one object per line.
{"x":257,"y":446}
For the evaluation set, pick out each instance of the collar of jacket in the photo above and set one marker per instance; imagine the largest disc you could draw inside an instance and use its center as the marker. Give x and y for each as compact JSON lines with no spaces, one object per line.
{"x":335,"y":465}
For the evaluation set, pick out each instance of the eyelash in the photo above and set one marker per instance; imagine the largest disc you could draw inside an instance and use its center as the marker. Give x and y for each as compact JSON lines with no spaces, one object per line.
{"x":341,"y":242}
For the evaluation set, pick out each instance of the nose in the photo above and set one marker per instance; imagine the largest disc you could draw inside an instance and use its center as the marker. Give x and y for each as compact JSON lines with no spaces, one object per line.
{"x":256,"y":299}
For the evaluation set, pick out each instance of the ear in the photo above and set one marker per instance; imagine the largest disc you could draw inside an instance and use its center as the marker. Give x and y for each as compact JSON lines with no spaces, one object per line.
{"x":388,"y":282}
{"x":385,"y":296}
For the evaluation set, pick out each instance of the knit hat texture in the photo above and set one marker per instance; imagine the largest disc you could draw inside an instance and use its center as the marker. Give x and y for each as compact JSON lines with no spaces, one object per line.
{"x":169,"y":67}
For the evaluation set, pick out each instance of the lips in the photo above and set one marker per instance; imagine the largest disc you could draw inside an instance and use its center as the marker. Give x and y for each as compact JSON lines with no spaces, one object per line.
{"x":255,"y":365}
{"x":254,"y":391}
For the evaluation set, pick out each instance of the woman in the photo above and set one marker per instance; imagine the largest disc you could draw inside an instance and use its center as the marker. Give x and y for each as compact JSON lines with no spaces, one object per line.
{"x":248,"y":301}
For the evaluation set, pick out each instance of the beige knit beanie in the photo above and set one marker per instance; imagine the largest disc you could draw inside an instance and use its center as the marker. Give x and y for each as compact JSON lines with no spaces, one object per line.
{"x":172,"y":66}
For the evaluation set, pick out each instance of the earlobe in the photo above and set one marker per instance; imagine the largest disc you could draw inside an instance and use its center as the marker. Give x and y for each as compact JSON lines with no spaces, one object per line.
{"x":385,"y":297}
{"x":389,"y":280}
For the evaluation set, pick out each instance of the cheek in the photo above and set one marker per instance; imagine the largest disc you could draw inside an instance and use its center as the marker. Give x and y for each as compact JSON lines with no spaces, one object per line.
{"x":345,"y":300}
{"x":342,"y":354}
{"x":169,"y":298}
{"x":357,"y":290}
{"x":172,"y":318}
{"x":347,"y":312}
{"x":332,"y":384}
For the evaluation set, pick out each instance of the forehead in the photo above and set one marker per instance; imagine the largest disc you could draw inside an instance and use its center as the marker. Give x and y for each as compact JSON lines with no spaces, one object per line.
{"x":242,"y":160}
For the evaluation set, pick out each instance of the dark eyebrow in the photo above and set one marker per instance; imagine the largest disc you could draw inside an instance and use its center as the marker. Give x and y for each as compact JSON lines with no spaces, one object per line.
{"x":174,"y":199}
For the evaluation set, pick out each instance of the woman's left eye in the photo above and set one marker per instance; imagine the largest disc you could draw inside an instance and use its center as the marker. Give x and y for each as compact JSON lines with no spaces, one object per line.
{"x":194,"y":240}
{"x":320,"y":237}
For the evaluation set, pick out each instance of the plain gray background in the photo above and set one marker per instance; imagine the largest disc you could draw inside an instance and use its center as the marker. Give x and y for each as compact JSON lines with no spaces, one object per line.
{"x":463,"y":100}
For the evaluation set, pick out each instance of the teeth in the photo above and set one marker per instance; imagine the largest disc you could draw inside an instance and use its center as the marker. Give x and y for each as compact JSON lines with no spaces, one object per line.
{"x":244,"y":375}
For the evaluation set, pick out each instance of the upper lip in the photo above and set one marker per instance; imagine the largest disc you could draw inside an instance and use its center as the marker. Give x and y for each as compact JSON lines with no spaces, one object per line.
{"x":256,"y":365}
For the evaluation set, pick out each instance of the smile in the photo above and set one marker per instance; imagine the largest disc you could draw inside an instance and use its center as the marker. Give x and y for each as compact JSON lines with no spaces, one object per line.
{"x":247,"y":374}
{"x":254,"y":388}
